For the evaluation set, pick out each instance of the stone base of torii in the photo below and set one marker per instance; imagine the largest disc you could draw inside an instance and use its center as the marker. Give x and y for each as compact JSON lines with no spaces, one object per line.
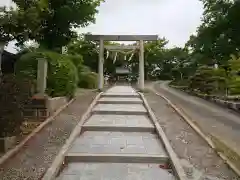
{"x":102,"y":38}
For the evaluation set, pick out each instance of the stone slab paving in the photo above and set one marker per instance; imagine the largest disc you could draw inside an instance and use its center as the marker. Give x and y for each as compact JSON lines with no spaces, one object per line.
{"x":119,"y":100}
{"x":118,"y":142}
{"x":114,"y":171}
{"x":119,"y":120}
{"x":120,"y":108}
{"x":122,"y":94}
{"x":121,"y":89}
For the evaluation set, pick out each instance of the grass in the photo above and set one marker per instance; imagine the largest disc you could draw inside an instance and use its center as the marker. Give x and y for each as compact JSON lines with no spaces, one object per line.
{"x":233,"y":156}
{"x":27,"y":127}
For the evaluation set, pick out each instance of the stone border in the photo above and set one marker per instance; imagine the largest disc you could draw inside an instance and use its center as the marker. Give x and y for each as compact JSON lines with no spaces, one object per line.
{"x":177,"y":167}
{"x":18,"y":147}
{"x":55,"y":167}
{"x":200,"y":133}
{"x":56,"y":102}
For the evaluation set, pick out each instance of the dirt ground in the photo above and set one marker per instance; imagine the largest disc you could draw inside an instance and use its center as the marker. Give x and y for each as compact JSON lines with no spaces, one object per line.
{"x":200,"y":162}
{"x":38,"y":154}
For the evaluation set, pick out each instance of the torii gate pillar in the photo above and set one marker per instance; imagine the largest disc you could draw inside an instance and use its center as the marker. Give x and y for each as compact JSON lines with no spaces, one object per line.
{"x":141,"y":65}
{"x":100,"y":65}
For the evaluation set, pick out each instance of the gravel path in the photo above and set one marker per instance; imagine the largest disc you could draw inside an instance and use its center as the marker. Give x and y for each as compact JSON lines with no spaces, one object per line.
{"x":37,"y":155}
{"x":200,"y":162}
{"x":211,"y":118}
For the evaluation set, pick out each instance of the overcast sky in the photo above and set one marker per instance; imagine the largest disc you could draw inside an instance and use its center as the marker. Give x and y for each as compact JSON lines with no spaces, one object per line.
{"x":174,"y":19}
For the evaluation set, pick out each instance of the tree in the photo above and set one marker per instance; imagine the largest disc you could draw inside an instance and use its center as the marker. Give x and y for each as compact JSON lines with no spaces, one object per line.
{"x":217,"y":36}
{"x":51,"y":23}
{"x":87,"y":49}
{"x":153,"y":52}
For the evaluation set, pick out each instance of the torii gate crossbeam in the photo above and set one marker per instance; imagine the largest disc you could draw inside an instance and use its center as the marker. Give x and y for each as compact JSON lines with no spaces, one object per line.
{"x":115,"y":47}
{"x":121,"y":37}
{"x":102,"y":38}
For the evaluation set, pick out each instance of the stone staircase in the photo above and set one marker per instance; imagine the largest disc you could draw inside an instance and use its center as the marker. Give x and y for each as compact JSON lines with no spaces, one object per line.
{"x":117,"y":142}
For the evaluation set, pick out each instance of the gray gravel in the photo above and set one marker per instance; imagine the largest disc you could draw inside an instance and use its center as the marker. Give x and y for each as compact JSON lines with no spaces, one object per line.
{"x":200,"y":162}
{"x":37,"y":155}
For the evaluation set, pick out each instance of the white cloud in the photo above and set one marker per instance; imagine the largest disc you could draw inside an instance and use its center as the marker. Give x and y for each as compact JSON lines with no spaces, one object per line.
{"x":174,"y":19}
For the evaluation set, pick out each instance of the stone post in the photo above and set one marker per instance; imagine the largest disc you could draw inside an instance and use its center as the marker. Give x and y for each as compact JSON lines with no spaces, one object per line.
{"x":100,"y":65}
{"x":38,"y":109}
{"x":42,"y":76}
{"x":141,"y":65}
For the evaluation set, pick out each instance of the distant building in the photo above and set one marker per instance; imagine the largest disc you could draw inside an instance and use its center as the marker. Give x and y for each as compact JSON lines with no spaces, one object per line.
{"x":122,"y":71}
{"x":8,"y":62}
{"x":122,"y":74}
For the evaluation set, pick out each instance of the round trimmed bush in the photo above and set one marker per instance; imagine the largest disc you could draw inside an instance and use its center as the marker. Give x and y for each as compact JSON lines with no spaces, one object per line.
{"x":62,"y":75}
{"x":87,"y":79}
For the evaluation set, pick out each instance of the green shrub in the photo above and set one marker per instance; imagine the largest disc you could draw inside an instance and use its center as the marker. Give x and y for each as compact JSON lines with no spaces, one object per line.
{"x":87,"y":79}
{"x":208,"y":80}
{"x":62,"y":75}
{"x":63,"y":78}
{"x":76,"y":59}
{"x":14,"y":95}
{"x":81,"y":68}
{"x":234,"y":86}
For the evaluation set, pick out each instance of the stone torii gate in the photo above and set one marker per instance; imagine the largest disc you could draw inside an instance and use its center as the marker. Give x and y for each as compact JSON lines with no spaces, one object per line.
{"x":102,"y":38}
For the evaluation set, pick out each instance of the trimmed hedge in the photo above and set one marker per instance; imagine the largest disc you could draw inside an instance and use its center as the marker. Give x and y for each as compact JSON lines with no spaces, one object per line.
{"x":62,"y":75}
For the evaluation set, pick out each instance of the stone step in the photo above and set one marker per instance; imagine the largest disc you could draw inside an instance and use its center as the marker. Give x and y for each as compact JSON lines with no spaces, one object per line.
{"x":114,"y":171}
{"x":120,"y":120}
{"x":107,"y":142}
{"x":115,"y":158}
{"x":120,"y":109}
{"x":117,"y":129}
{"x":121,"y":89}
{"x":117,"y":100}
{"x":117,"y":94}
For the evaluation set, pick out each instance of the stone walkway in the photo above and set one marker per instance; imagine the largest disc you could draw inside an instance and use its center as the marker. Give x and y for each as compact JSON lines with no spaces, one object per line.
{"x":117,"y":142}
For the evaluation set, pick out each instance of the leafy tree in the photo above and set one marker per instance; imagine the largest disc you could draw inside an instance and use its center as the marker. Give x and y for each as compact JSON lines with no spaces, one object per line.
{"x":87,"y":49}
{"x":50,"y":23}
{"x":217,"y":37}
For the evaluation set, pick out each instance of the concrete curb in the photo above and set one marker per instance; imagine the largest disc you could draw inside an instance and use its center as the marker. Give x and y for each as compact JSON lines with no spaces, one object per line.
{"x":59,"y":160}
{"x":200,"y":133}
{"x":17,"y":148}
{"x":177,"y":167}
